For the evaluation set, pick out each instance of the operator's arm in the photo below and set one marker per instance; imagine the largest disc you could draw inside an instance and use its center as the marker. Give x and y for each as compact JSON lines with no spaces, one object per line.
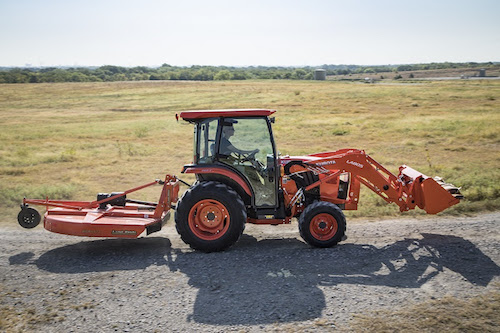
{"x":227,"y":148}
{"x":241,"y":151}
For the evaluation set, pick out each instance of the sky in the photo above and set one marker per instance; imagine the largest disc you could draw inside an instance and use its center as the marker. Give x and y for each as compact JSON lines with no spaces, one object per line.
{"x":247,"y":33}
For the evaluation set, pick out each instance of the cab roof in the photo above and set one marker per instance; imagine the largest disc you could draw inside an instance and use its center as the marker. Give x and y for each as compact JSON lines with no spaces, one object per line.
{"x":233,"y":113}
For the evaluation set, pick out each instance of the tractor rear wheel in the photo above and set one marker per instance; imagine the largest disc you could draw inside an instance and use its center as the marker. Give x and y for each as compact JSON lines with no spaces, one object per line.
{"x":210,"y":216}
{"x":322,"y":224}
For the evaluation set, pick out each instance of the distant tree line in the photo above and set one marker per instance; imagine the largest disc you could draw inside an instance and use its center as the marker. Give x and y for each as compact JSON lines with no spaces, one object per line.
{"x":443,"y":65}
{"x":199,"y":73}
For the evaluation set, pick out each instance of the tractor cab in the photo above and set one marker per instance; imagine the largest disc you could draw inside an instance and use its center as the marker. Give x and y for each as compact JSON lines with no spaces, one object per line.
{"x":237,"y":148}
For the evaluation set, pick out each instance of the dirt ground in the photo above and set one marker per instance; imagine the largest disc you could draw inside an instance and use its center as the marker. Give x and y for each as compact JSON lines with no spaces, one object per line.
{"x":269,"y":281}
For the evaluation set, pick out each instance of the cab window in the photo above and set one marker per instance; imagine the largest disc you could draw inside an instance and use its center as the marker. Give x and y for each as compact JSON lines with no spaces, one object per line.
{"x":206,"y":134}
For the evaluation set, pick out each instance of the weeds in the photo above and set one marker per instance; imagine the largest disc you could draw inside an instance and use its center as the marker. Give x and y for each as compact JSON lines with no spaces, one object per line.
{"x":13,"y":196}
{"x":141,"y":132}
{"x":339,"y":132}
{"x":26,"y":319}
{"x":130,"y":149}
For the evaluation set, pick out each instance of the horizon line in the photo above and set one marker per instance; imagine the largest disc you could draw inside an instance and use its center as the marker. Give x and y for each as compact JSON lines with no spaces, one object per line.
{"x":246,"y":66}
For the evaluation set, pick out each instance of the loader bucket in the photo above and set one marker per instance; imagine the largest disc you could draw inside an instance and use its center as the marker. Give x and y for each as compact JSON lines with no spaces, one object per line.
{"x":430,"y":194}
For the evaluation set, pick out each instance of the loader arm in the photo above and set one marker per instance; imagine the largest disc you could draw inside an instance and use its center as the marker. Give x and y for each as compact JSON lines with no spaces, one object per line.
{"x":408,"y":190}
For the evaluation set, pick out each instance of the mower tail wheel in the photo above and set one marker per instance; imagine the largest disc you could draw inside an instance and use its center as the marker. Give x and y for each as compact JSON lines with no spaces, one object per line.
{"x":210,"y":216}
{"x":322,"y":224}
{"x":28,"y":217}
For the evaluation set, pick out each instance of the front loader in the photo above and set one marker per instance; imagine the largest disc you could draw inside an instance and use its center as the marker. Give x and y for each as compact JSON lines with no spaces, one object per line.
{"x":241,"y":178}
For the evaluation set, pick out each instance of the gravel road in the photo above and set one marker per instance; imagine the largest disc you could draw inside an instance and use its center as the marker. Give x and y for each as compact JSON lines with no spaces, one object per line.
{"x":270,"y":280}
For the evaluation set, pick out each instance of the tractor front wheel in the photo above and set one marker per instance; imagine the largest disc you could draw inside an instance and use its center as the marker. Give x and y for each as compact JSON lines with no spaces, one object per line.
{"x":322,"y":224}
{"x":210,"y":216}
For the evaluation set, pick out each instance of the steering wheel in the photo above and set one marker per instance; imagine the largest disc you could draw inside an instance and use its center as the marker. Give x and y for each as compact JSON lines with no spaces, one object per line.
{"x":259,"y":166}
{"x":249,"y":157}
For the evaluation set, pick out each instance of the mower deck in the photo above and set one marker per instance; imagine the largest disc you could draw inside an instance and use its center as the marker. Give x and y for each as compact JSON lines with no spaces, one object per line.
{"x":127,"y":222}
{"x":111,"y":215}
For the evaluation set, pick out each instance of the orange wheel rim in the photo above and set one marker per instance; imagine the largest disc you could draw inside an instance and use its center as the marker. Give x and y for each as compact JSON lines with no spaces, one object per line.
{"x":209,"y":219}
{"x":323,"y":226}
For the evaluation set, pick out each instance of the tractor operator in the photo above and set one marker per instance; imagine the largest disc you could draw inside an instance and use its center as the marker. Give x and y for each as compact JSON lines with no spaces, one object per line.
{"x":226,"y":147}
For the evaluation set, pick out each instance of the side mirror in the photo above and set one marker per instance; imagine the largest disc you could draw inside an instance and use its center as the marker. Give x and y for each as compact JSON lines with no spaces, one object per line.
{"x":272,"y":119}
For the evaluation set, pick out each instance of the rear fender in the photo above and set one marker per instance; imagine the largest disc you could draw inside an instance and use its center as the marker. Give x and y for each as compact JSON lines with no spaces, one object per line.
{"x":225,"y":176}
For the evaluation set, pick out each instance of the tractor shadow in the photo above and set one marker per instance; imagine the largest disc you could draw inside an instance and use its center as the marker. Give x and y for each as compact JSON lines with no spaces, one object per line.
{"x":275,"y":280}
{"x":279,"y":280}
{"x":106,"y":255}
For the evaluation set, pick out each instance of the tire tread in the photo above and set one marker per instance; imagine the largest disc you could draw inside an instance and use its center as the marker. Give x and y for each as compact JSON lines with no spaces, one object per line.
{"x":232,"y":202}
{"x":314,"y":209}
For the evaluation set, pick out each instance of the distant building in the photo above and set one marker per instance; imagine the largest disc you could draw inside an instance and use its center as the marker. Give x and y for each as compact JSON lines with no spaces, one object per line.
{"x":320,"y":74}
{"x":482,"y":72}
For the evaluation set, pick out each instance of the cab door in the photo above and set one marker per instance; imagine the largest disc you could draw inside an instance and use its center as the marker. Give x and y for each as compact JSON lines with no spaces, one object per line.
{"x":252,"y":152}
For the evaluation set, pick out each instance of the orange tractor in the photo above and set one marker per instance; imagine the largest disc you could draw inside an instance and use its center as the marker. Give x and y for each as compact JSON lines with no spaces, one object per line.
{"x":241,"y":178}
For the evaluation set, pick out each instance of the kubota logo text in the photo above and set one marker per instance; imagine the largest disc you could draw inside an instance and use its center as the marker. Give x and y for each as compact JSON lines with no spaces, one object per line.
{"x":326,"y":163}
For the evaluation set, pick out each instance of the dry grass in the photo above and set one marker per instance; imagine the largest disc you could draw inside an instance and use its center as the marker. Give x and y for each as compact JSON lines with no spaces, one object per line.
{"x":449,"y":314}
{"x":26,"y":318}
{"x":73,"y":140}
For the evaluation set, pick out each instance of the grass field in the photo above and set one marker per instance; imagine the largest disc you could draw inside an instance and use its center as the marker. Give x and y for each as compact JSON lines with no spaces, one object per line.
{"x":73,"y":140}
